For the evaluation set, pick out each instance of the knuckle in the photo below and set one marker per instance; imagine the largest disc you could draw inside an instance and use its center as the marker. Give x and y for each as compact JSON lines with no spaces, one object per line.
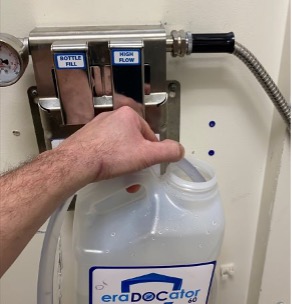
{"x":129,"y":114}
{"x":127,"y":110}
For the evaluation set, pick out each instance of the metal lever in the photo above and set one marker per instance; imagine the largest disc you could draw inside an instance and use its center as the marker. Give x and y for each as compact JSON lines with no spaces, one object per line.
{"x":127,"y":65}
{"x":72,"y":78}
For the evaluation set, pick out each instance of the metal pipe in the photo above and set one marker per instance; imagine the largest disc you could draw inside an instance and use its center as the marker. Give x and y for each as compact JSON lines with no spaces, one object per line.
{"x":265,"y":80}
{"x":169,"y":44}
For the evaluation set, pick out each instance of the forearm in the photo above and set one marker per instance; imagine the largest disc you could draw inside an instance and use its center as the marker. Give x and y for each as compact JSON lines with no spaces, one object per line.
{"x":29,"y":195}
{"x":112,"y":144}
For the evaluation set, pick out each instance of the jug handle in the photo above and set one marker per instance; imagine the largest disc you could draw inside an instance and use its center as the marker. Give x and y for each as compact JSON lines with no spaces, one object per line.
{"x":107,"y":188}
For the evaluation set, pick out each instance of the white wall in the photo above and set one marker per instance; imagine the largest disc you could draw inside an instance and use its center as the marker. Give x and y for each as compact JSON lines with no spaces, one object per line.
{"x":276,"y":276}
{"x":214,"y":87}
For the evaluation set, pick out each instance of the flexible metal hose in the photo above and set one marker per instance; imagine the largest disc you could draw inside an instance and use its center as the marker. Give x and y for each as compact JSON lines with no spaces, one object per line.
{"x":265,"y":80}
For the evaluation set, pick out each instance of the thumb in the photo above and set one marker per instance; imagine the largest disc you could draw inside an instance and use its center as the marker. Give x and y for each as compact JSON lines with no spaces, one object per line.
{"x":166,"y":151}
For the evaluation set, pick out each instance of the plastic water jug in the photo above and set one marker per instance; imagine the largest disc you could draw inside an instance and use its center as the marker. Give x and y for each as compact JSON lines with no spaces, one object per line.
{"x":158,"y":245}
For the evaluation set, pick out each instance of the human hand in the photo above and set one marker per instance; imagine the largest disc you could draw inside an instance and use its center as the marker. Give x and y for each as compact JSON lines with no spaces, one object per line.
{"x":115,"y":143}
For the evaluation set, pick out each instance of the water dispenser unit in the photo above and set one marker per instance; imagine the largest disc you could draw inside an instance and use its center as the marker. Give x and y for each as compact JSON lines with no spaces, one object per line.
{"x":83,"y":71}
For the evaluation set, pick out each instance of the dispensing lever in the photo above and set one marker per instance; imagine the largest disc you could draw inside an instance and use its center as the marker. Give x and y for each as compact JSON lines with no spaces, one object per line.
{"x":71,"y":71}
{"x":127,"y":66}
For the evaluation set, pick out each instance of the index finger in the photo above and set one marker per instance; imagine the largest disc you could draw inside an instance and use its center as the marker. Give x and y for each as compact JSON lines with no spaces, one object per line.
{"x":146,"y":131}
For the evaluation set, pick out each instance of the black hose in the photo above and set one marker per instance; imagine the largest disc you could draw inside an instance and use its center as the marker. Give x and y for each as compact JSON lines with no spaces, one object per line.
{"x":213,"y":43}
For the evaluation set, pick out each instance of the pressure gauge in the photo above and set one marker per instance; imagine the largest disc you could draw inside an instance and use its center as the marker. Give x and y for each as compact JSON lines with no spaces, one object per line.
{"x":13,"y":59}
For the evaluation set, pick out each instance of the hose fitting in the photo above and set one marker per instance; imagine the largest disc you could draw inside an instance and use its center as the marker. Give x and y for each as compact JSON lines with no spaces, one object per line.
{"x":179,"y":43}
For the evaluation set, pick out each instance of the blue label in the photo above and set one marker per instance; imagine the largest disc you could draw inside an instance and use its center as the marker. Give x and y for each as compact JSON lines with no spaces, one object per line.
{"x":126,"y":56}
{"x":70,"y":61}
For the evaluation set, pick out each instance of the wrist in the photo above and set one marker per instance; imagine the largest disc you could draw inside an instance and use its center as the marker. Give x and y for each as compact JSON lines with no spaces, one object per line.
{"x":59,"y":169}
{"x":78,"y":168}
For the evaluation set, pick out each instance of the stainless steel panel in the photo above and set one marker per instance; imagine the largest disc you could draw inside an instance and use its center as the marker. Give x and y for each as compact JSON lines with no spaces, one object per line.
{"x":81,"y":94}
{"x":97,"y":39}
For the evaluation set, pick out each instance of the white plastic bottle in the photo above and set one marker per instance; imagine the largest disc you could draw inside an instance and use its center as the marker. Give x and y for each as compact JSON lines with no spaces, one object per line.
{"x":158,"y":245}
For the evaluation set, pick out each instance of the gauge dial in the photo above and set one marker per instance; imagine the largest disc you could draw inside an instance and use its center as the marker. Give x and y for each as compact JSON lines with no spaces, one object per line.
{"x":13,"y":59}
{"x":9,"y":64}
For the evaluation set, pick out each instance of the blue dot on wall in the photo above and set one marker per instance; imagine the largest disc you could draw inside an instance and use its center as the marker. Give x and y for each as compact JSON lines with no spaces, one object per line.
{"x":212,"y":124}
{"x":211,"y":152}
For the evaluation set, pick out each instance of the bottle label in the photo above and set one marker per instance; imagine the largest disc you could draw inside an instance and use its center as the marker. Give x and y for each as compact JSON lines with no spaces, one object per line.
{"x":180,"y":284}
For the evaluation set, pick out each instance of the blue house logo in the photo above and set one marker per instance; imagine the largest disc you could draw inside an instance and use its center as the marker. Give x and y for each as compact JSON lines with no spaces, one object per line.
{"x":152,"y":277}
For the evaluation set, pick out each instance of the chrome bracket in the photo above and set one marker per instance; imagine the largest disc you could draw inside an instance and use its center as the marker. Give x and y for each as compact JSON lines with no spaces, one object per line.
{"x":48,"y":122}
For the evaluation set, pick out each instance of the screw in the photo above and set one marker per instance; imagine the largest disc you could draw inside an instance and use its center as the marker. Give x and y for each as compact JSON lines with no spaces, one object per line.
{"x":34,"y":92}
{"x":16,"y":133}
{"x":172,"y":87}
{"x":172,"y":90}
